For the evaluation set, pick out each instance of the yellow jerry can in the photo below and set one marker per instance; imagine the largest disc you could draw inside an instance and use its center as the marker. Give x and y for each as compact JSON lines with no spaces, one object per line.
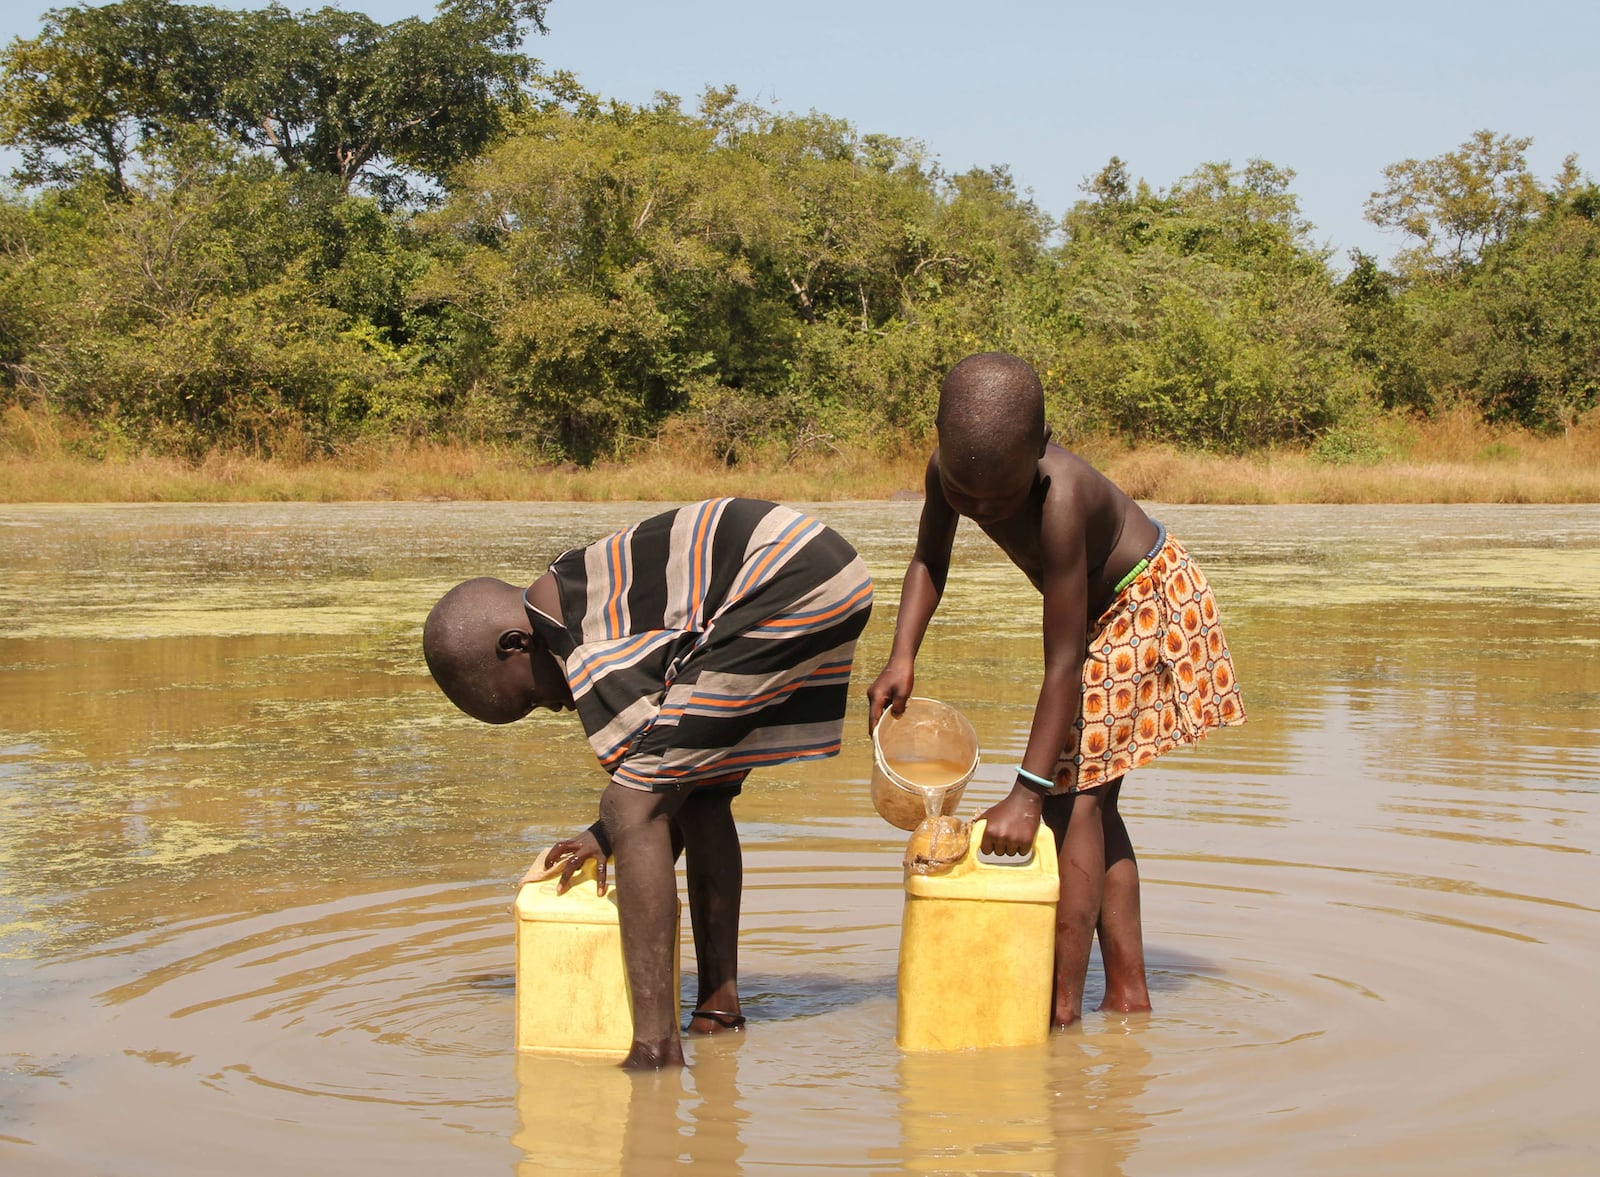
{"x":977,"y":951}
{"x":572,"y":988}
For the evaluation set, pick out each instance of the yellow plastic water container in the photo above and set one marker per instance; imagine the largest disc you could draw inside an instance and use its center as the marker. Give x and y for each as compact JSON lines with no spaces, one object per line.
{"x":572,"y":988}
{"x":922,"y":760}
{"x":977,"y":951}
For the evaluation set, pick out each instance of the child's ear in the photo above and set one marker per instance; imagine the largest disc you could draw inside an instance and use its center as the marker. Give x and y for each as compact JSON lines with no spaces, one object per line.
{"x":1045,"y":440}
{"x":513,"y":641}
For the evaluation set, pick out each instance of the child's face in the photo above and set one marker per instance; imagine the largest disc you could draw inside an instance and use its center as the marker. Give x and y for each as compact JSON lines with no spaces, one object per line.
{"x":991,"y":495}
{"x":522,"y":682}
{"x":550,"y":688}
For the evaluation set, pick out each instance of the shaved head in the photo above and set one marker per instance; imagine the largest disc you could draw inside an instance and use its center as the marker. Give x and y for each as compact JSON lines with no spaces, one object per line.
{"x":460,"y":641}
{"x":991,"y":412}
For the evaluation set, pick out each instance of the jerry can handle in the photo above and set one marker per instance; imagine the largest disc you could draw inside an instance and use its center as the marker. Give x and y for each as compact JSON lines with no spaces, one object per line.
{"x":1033,"y":859}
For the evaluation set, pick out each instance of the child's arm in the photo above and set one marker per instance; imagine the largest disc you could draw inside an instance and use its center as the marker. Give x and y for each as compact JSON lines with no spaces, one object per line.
{"x":919,"y":597}
{"x":1011,"y":825}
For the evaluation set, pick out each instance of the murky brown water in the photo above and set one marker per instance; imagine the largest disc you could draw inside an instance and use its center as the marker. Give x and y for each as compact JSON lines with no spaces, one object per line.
{"x":254,"y":872}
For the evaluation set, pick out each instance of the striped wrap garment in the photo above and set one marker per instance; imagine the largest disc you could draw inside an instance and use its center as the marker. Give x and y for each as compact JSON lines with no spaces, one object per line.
{"x":708,"y":641}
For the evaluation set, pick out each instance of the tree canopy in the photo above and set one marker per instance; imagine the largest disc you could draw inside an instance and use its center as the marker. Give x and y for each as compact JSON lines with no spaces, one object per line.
{"x":219,"y":242}
{"x":325,"y":91}
{"x":1461,"y":203}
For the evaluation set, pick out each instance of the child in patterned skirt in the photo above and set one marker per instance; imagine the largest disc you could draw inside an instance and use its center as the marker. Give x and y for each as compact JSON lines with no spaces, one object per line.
{"x":1135,"y":662}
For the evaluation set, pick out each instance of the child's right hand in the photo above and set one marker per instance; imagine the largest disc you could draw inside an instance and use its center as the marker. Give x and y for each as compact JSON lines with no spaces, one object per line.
{"x":889,"y":690}
{"x":576,"y":852}
{"x":1010,"y":825}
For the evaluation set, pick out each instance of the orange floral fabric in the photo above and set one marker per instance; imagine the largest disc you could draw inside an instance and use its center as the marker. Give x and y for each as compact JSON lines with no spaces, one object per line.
{"x":1157,"y":675}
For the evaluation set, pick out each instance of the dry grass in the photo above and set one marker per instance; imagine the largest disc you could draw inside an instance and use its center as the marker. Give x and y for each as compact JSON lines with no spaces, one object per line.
{"x":1451,"y":459}
{"x":430,"y":471}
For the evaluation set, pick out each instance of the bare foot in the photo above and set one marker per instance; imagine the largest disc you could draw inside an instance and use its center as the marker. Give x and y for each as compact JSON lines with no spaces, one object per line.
{"x":714,"y":1021}
{"x":1126,"y":1004}
{"x":646,"y":1058}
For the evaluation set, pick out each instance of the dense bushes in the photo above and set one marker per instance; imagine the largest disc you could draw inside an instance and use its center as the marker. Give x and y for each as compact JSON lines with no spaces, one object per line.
{"x":596,"y":272}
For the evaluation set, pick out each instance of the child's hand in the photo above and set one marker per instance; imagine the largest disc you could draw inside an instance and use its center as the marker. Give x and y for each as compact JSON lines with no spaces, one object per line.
{"x":578,"y":851}
{"x":1009,"y":827}
{"x":890,"y":689}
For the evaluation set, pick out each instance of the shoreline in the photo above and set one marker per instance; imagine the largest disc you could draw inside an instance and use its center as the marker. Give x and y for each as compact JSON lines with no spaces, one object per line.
{"x":1440,"y":465}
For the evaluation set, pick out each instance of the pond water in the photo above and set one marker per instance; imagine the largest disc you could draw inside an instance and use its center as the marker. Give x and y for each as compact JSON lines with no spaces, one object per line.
{"x":254,"y":871}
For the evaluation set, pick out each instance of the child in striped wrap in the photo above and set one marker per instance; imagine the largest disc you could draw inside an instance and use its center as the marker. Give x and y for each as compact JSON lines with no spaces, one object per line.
{"x":695,"y":646}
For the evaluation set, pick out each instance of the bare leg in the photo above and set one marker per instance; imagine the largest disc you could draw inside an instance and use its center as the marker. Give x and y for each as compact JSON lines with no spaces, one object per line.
{"x":714,"y":865}
{"x":1083,"y":878}
{"x":1121,"y":936}
{"x":639,"y":826}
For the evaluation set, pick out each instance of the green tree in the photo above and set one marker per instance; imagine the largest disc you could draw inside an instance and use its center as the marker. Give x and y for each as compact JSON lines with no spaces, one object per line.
{"x":558,"y":253}
{"x":335,"y":92}
{"x":326,"y":91}
{"x":1459,"y":204}
{"x":762,"y":274}
{"x":82,"y":96}
{"x":1523,"y":336}
{"x":1496,"y":307}
{"x":1382,"y":334}
{"x":1201,"y":314}
{"x":219,"y":301}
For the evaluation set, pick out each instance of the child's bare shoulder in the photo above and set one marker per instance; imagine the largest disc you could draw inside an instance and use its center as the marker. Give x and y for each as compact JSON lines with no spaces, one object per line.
{"x":1081,"y":499}
{"x":1071,"y":477}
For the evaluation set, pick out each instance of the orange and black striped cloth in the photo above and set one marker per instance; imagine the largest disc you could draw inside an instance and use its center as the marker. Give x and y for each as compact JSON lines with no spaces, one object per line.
{"x":1157,"y":674}
{"x":708,"y":641}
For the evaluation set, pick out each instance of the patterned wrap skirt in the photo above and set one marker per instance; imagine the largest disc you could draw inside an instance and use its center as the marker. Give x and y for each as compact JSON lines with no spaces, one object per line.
{"x":1157,"y":674}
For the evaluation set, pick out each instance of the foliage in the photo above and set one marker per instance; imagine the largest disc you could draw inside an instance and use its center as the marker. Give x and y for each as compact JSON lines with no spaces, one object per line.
{"x":1512,"y":328}
{"x":204,"y":308}
{"x":1200,"y":314}
{"x":622,"y":263}
{"x":325,"y":91}
{"x":1459,"y":204}
{"x":297,"y":233}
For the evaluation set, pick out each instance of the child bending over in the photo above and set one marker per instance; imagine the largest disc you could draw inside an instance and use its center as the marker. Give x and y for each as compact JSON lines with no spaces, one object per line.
{"x":1134,"y":658}
{"x":694,"y":646}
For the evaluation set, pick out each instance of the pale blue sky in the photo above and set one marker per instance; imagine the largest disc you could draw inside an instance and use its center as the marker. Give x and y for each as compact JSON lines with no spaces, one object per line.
{"x":1053,"y":90}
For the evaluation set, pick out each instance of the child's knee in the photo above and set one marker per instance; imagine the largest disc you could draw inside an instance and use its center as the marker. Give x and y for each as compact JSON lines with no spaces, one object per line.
{"x":1088,"y":805}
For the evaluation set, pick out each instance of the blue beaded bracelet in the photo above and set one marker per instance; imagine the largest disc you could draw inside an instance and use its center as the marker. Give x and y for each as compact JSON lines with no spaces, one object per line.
{"x":1034,"y":778}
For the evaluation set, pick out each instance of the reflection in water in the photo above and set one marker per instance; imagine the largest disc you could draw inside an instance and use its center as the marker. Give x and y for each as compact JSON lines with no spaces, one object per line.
{"x":573,"y":1116}
{"x":1026,"y":1110}
{"x":254,"y":877}
{"x":577,"y":1117}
